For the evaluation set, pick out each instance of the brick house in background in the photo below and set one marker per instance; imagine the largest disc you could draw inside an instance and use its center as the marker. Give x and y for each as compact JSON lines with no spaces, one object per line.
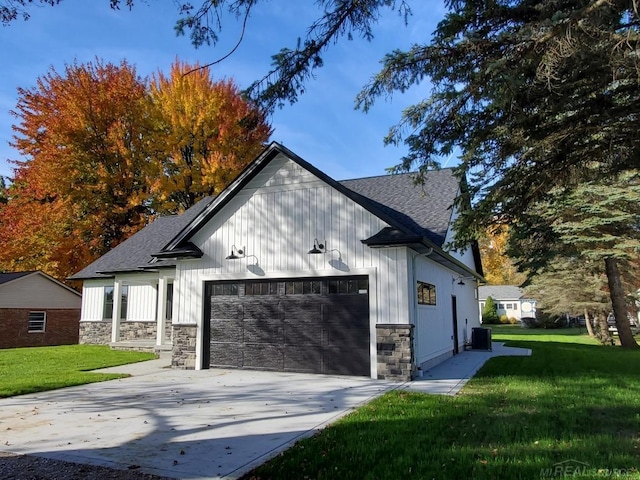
{"x":37,"y":310}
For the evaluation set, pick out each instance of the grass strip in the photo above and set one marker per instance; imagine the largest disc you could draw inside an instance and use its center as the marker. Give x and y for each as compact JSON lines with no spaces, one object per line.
{"x":37,"y":369}
{"x":571,"y":409}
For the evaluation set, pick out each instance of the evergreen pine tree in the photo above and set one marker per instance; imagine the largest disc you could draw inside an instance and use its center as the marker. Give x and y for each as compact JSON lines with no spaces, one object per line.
{"x":490,"y":312}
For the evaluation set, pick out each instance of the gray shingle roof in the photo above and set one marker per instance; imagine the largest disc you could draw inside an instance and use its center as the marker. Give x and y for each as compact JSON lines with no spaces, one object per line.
{"x":420,"y":213}
{"x":134,"y":254}
{"x":424,"y":209}
{"x":8,"y":277}
{"x":500,"y":292}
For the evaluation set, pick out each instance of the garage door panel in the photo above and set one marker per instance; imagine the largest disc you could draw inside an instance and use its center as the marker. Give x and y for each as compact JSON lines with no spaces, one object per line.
{"x":295,"y":312}
{"x":226,"y":310}
{"x":226,"y":355}
{"x":283,"y":325}
{"x":302,"y":359}
{"x":303,"y":334}
{"x":351,"y":311}
{"x":263,"y":309}
{"x":264,"y":356}
{"x":338,"y":361}
{"x":263,"y":331}
{"x":347,"y":337}
{"x":227,"y":330}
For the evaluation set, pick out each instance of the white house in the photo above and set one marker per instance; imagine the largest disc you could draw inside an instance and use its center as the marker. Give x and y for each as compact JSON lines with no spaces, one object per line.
{"x":287,"y":269}
{"x":509,"y":299}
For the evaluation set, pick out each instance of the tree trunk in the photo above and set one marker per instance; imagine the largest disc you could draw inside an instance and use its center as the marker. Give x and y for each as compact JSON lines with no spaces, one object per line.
{"x":619,"y":305}
{"x":587,"y":322}
{"x":602,"y":329}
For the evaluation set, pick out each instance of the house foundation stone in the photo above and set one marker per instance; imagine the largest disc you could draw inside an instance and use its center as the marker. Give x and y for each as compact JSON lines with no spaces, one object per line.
{"x":95,"y":333}
{"x":133,"y":330}
{"x":395,"y":352}
{"x":183,"y":355}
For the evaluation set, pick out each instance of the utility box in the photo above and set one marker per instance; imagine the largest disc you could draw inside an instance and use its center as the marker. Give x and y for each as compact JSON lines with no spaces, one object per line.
{"x":481,"y":338}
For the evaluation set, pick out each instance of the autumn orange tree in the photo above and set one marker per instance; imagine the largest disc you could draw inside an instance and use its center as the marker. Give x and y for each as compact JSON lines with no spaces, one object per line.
{"x":101,"y":158}
{"x":498,"y":268}
{"x":208,"y":131}
{"x":80,"y":189}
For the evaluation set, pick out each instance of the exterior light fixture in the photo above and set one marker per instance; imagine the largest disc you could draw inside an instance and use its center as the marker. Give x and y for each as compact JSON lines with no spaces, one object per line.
{"x":318,"y":248}
{"x":236,"y":253}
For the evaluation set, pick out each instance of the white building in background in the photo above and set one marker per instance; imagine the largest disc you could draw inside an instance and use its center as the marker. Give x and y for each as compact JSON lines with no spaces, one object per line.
{"x":509,"y":299}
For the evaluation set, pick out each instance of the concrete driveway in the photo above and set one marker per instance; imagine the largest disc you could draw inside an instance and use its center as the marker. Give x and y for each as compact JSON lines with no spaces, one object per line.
{"x":181,"y":424}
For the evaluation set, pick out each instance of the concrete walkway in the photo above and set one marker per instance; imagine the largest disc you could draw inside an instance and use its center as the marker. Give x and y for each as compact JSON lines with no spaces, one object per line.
{"x":451,"y":375}
{"x":208,"y":424}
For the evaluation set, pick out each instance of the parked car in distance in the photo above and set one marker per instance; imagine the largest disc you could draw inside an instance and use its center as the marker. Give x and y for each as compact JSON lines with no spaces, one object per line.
{"x":611,"y":320}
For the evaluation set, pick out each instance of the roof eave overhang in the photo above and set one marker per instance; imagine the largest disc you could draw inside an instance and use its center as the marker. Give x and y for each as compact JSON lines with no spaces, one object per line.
{"x":424,"y":246}
{"x":188,"y":250}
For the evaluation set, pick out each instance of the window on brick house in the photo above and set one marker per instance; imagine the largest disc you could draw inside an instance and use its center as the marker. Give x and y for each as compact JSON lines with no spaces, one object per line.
{"x":37,"y":321}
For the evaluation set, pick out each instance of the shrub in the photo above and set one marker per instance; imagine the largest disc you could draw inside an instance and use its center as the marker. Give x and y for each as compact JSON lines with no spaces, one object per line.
{"x":543,"y":320}
{"x":513,"y":320}
{"x":490,"y":312}
{"x":504,"y":319}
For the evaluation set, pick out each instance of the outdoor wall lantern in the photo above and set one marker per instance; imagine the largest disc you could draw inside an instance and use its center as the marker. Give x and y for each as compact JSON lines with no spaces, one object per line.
{"x":236,"y":253}
{"x":318,"y":248}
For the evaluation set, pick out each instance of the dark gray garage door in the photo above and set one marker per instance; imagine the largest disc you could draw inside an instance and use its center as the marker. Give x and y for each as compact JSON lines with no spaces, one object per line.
{"x":298,"y":325}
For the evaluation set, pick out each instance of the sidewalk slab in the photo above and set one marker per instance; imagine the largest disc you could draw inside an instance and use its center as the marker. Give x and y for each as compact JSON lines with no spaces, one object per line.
{"x":448,"y":377}
{"x":207,"y":424}
{"x":196,"y":425}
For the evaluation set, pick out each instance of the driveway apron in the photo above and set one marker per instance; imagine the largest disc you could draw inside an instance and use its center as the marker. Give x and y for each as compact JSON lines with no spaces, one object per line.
{"x":180,"y":424}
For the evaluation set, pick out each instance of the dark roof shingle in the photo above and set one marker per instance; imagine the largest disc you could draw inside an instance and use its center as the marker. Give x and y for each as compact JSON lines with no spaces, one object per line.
{"x":8,"y":277}
{"x":424,"y":209}
{"x":134,"y":254}
{"x":420,"y":210}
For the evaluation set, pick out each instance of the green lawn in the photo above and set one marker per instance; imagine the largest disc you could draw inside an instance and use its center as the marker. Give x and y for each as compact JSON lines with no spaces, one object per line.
{"x":27,"y":370}
{"x":572,"y":401}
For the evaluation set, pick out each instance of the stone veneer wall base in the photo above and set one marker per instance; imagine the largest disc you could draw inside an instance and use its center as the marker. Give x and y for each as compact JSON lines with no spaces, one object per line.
{"x":395,"y":352}
{"x":95,"y":333}
{"x":183,"y":354}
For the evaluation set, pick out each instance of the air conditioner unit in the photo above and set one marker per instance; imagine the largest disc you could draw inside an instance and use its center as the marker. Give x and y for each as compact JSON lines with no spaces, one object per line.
{"x":481,"y":338}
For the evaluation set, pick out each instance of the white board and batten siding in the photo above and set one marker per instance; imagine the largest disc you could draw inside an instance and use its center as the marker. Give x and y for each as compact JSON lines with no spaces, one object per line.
{"x":142,"y":301}
{"x":93,"y":299}
{"x":434,"y":323}
{"x":142,"y":297}
{"x":37,"y":291}
{"x":276,"y":219}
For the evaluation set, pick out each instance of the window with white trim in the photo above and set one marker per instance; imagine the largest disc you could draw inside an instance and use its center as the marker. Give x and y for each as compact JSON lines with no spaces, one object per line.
{"x":107,"y":312}
{"x":426,"y":293}
{"x":37,"y":322}
{"x":169,"y":304}
{"x":124,"y":298}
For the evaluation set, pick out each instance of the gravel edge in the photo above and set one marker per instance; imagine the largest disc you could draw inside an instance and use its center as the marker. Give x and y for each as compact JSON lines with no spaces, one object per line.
{"x":29,"y":467}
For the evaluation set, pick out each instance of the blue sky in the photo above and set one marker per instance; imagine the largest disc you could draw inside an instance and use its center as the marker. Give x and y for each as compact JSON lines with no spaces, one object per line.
{"x":323,"y":127}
